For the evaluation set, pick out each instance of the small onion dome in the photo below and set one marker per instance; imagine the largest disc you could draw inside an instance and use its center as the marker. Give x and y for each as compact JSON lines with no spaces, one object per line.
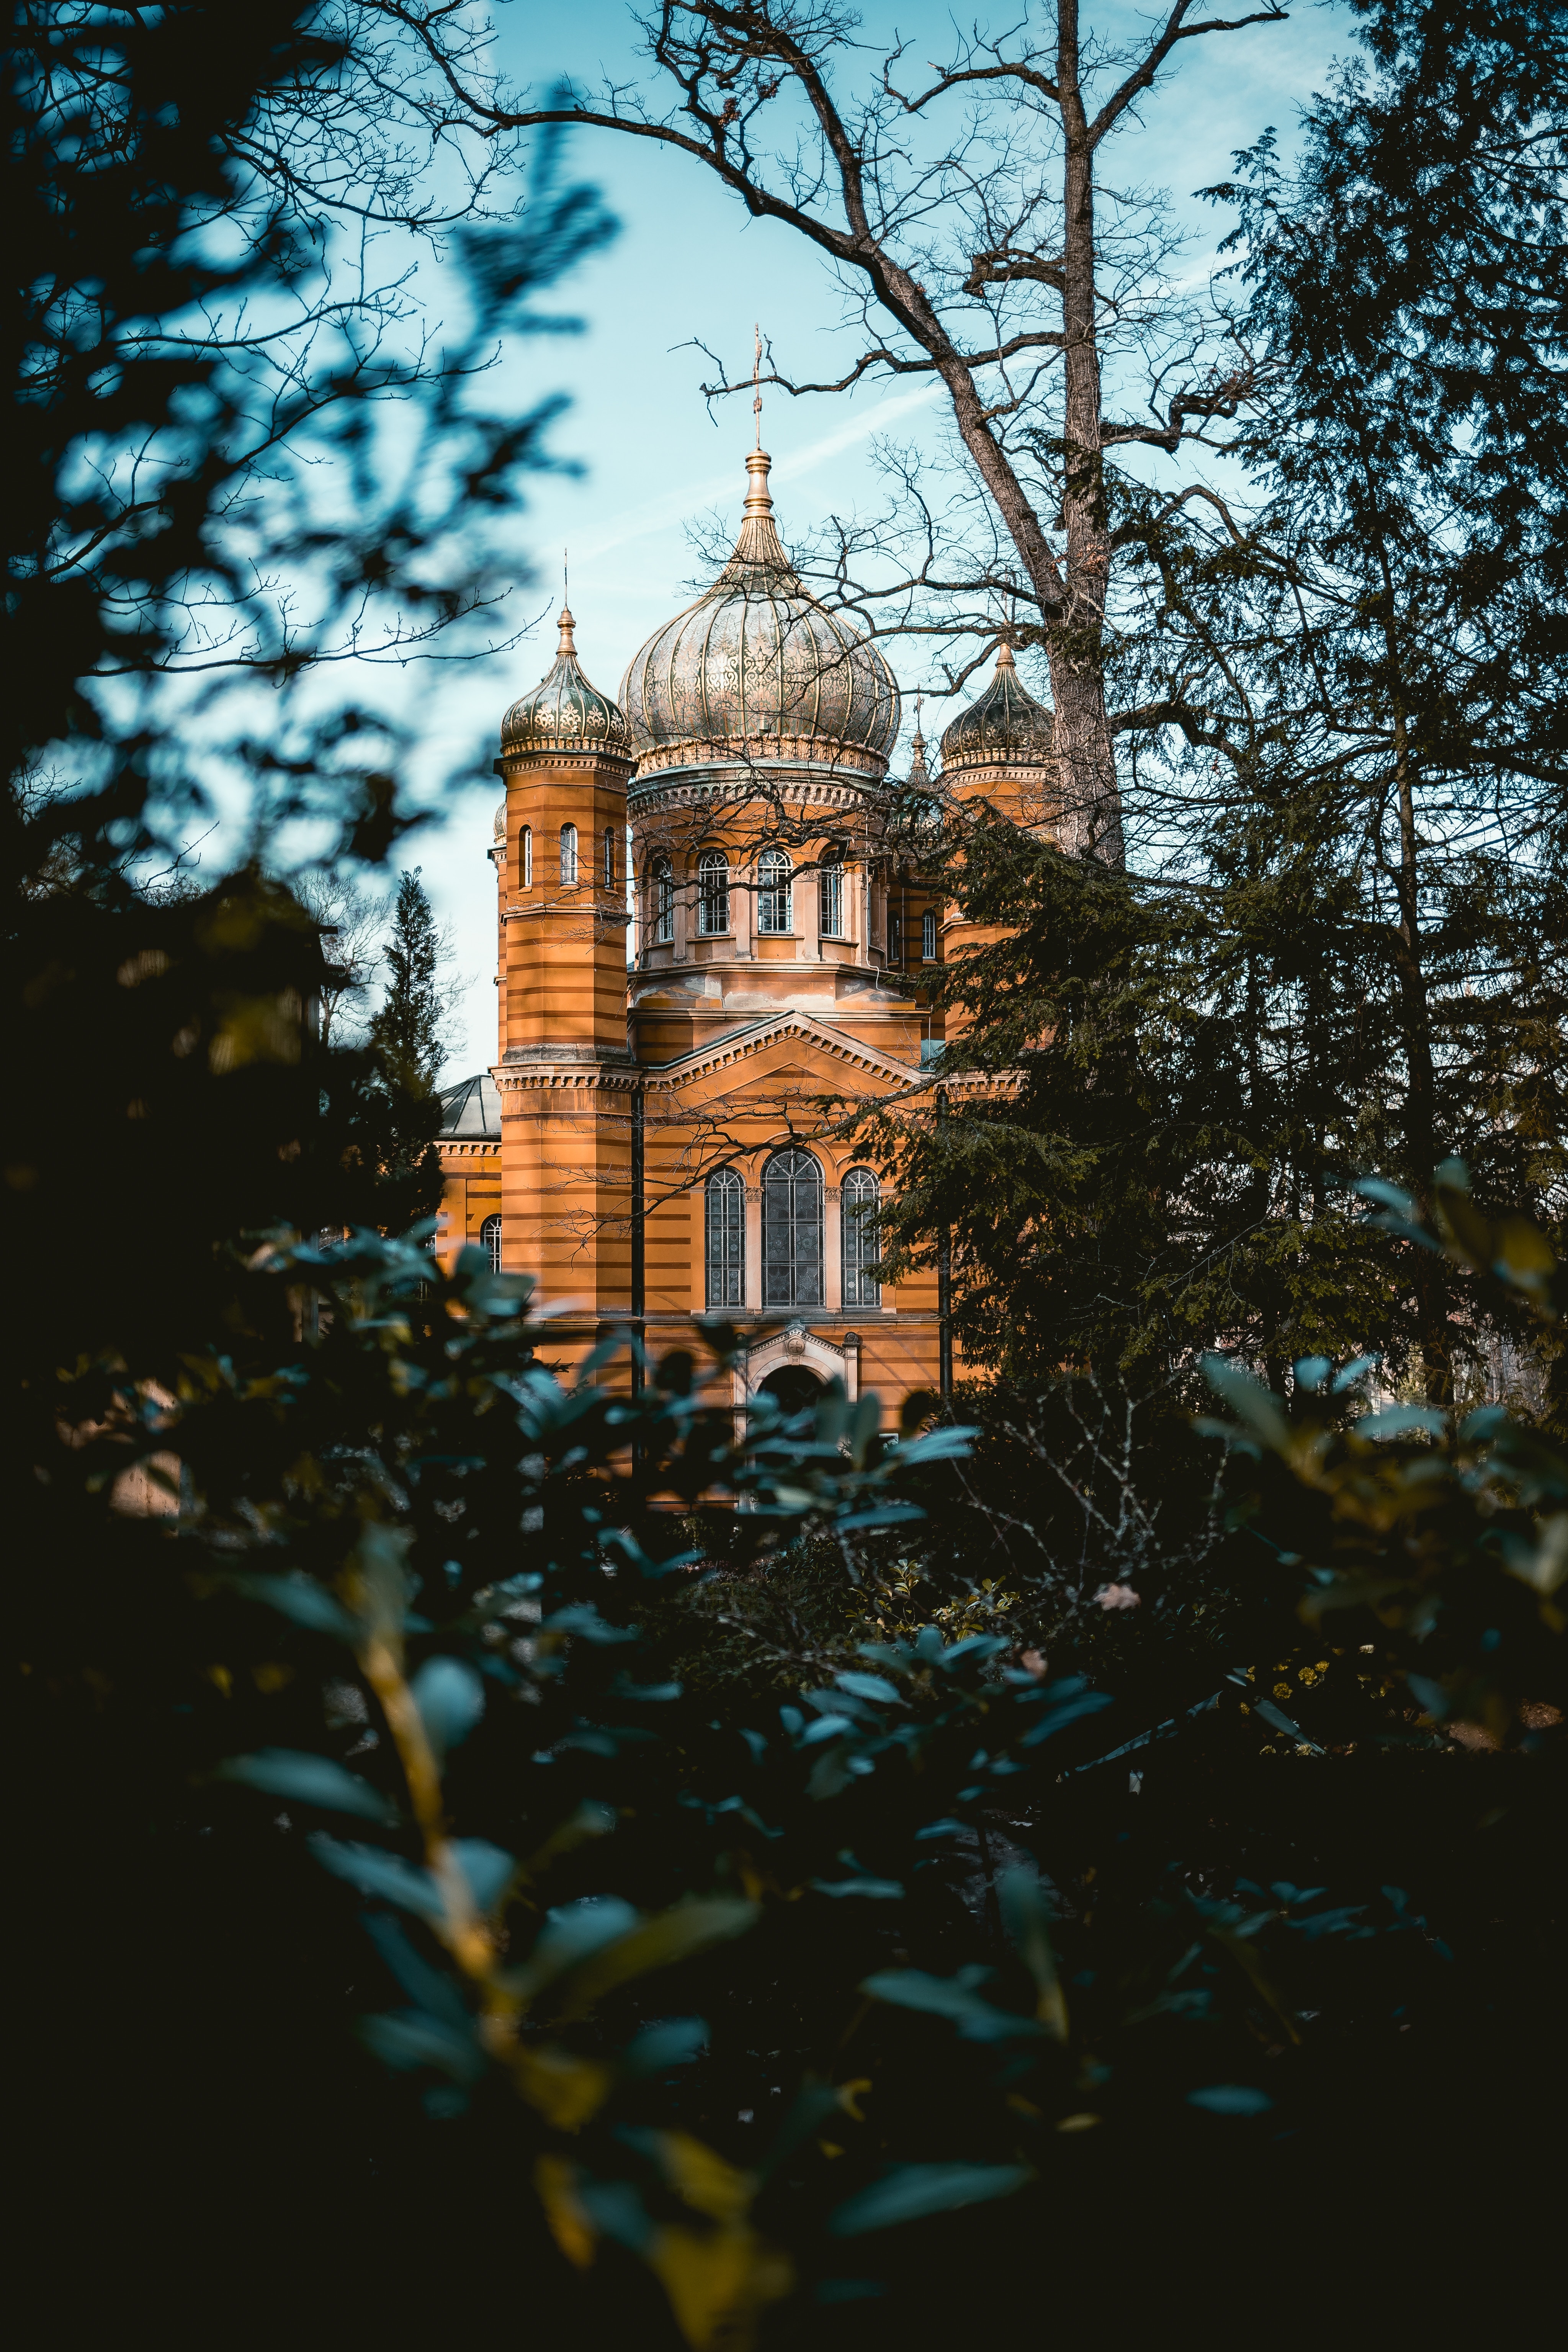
{"x":1003,"y":727}
{"x":564,"y":713}
{"x":498,"y":831}
{"x":758,"y":669}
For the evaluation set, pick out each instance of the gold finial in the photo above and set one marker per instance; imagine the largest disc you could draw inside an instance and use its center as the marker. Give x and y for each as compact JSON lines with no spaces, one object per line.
{"x":568,"y":643}
{"x":759,"y":500}
{"x":757,"y":381}
{"x":1005,"y":657}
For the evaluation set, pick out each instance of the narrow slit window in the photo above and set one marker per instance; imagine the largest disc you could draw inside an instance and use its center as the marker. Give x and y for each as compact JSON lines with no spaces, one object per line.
{"x":927,"y":937}
{"x":713,"y":893}
{"x":860,"y":1199}
{"x":568,"y":855}
{"x":528,"y":857}
{"x":830,"y":893}
{"x":726,"y":1230}
{"x":775,"y":895}
{"x":895,"y":939}
{"x":609,"y":857}
{"x":663,"y":908}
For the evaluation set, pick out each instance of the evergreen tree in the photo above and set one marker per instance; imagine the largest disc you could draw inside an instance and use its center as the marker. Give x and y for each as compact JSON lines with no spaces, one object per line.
{"x":402,"y":1110}
{"x":1351,"y":960}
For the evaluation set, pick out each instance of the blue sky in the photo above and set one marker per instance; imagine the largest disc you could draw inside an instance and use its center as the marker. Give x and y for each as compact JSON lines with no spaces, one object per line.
{"x":689,"y":264}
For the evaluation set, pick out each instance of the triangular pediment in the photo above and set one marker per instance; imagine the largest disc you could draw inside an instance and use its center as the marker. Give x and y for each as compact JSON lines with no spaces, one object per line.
{"x":794,"y":1047}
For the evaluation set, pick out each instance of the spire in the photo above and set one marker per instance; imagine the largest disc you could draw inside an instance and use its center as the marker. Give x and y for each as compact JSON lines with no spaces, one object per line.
{"x":919,"y":773}
{"x":757,"y":383}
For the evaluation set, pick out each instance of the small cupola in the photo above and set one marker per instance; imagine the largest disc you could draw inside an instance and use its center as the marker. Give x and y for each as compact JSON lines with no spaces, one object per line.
{"x":564,"y":712}
{"x":1003,"y":727}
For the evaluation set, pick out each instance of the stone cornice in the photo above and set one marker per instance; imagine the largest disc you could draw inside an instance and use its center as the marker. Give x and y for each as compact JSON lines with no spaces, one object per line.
{"x":551,"y":758}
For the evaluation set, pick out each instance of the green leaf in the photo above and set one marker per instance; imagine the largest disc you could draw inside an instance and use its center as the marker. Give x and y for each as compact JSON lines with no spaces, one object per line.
{"x":375,"y":1871}
{"x":955,"y":1999}
{"x":450,"y":1698}
{"x":1230,"y":2099}
{"x":912,"y":2191}
{"x":656,"y":1943}
{"x":301,"y":1597}
{"x":488,"y":1868}
{"x":870,"y":1686}
{"x":308,"y":1780}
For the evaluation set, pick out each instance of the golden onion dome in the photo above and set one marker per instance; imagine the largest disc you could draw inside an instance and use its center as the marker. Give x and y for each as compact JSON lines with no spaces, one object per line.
{"x":564,"y":713}
{"x":758,"y":669}
{"x":1003,"y":727}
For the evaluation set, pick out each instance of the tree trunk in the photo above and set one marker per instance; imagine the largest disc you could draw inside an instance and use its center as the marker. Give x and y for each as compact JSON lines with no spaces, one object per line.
{"x":1092,"y":806}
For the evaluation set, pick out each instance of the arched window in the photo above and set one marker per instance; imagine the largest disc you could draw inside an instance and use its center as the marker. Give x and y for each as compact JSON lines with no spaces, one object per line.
{"x":775,"y":899}
{"x":489,"y":1239}
{"x":713,"y":893}
{"x":859,"y":1201}
{"x":928,"y":935}
{"x":609,"y":857}
{"x":525,"y":852}
{"x":792,"y":1230}
{"x":726,"y":1224}
{"x":568,"y":855}
{"x":662,"y":911}
{"x":830,"y":894}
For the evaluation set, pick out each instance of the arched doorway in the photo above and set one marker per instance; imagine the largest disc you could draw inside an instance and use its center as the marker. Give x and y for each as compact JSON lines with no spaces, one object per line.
{"x":792,"y":1387}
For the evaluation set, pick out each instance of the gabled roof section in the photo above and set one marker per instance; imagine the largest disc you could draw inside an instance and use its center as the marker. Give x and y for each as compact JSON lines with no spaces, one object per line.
{"x":470,"y":1111}
{"x":744,"y":1044}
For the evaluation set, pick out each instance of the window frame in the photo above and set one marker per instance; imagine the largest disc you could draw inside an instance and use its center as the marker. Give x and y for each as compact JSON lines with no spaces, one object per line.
{"x":793,"y":1276}
{"x":724,"y":1239}
{"x":775,"y":899}
{"x":568,"y":856}
{"x":527,"y":857}
{"x":712,"y":897}
{"x":490,"y":1236}
{"x":661,"y":912}
{"x":830,"y":899}
{"x":609,"y":857}
{"x":929,"y":942}
{"x":860,"y":1262}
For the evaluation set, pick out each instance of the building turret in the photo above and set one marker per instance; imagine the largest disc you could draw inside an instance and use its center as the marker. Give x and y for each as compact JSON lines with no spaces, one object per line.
{"x":998,"y":754}
{"x":564,"y":1073}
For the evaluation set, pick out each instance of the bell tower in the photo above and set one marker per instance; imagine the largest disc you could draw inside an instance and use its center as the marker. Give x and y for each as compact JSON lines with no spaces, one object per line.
{"x":564,"y":1075}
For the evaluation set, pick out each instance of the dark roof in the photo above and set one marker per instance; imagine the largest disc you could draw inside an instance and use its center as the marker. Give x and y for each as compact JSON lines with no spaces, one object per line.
{"x":470,"y":1111}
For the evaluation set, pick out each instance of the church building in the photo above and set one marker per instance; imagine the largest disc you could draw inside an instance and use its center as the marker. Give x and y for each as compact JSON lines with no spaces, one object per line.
{"x":689,"y":1035}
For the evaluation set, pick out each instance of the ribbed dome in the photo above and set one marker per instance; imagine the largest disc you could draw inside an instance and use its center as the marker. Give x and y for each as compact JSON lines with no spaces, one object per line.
{"x":757,"y":667}
{"x":1004,"y":725}
{"x":564,"y":713}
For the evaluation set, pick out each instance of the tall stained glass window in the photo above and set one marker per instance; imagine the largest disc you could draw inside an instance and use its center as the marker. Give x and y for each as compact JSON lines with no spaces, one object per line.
{"x":726,"y":1227}
{"x":858,"y":1202}
{"x":792,"y":1230}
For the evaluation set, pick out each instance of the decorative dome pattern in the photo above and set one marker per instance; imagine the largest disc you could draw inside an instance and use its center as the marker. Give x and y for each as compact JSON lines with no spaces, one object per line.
{"x":758,"y":668}
{"x":564,"y":713}
{"x":1003,"y":725}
